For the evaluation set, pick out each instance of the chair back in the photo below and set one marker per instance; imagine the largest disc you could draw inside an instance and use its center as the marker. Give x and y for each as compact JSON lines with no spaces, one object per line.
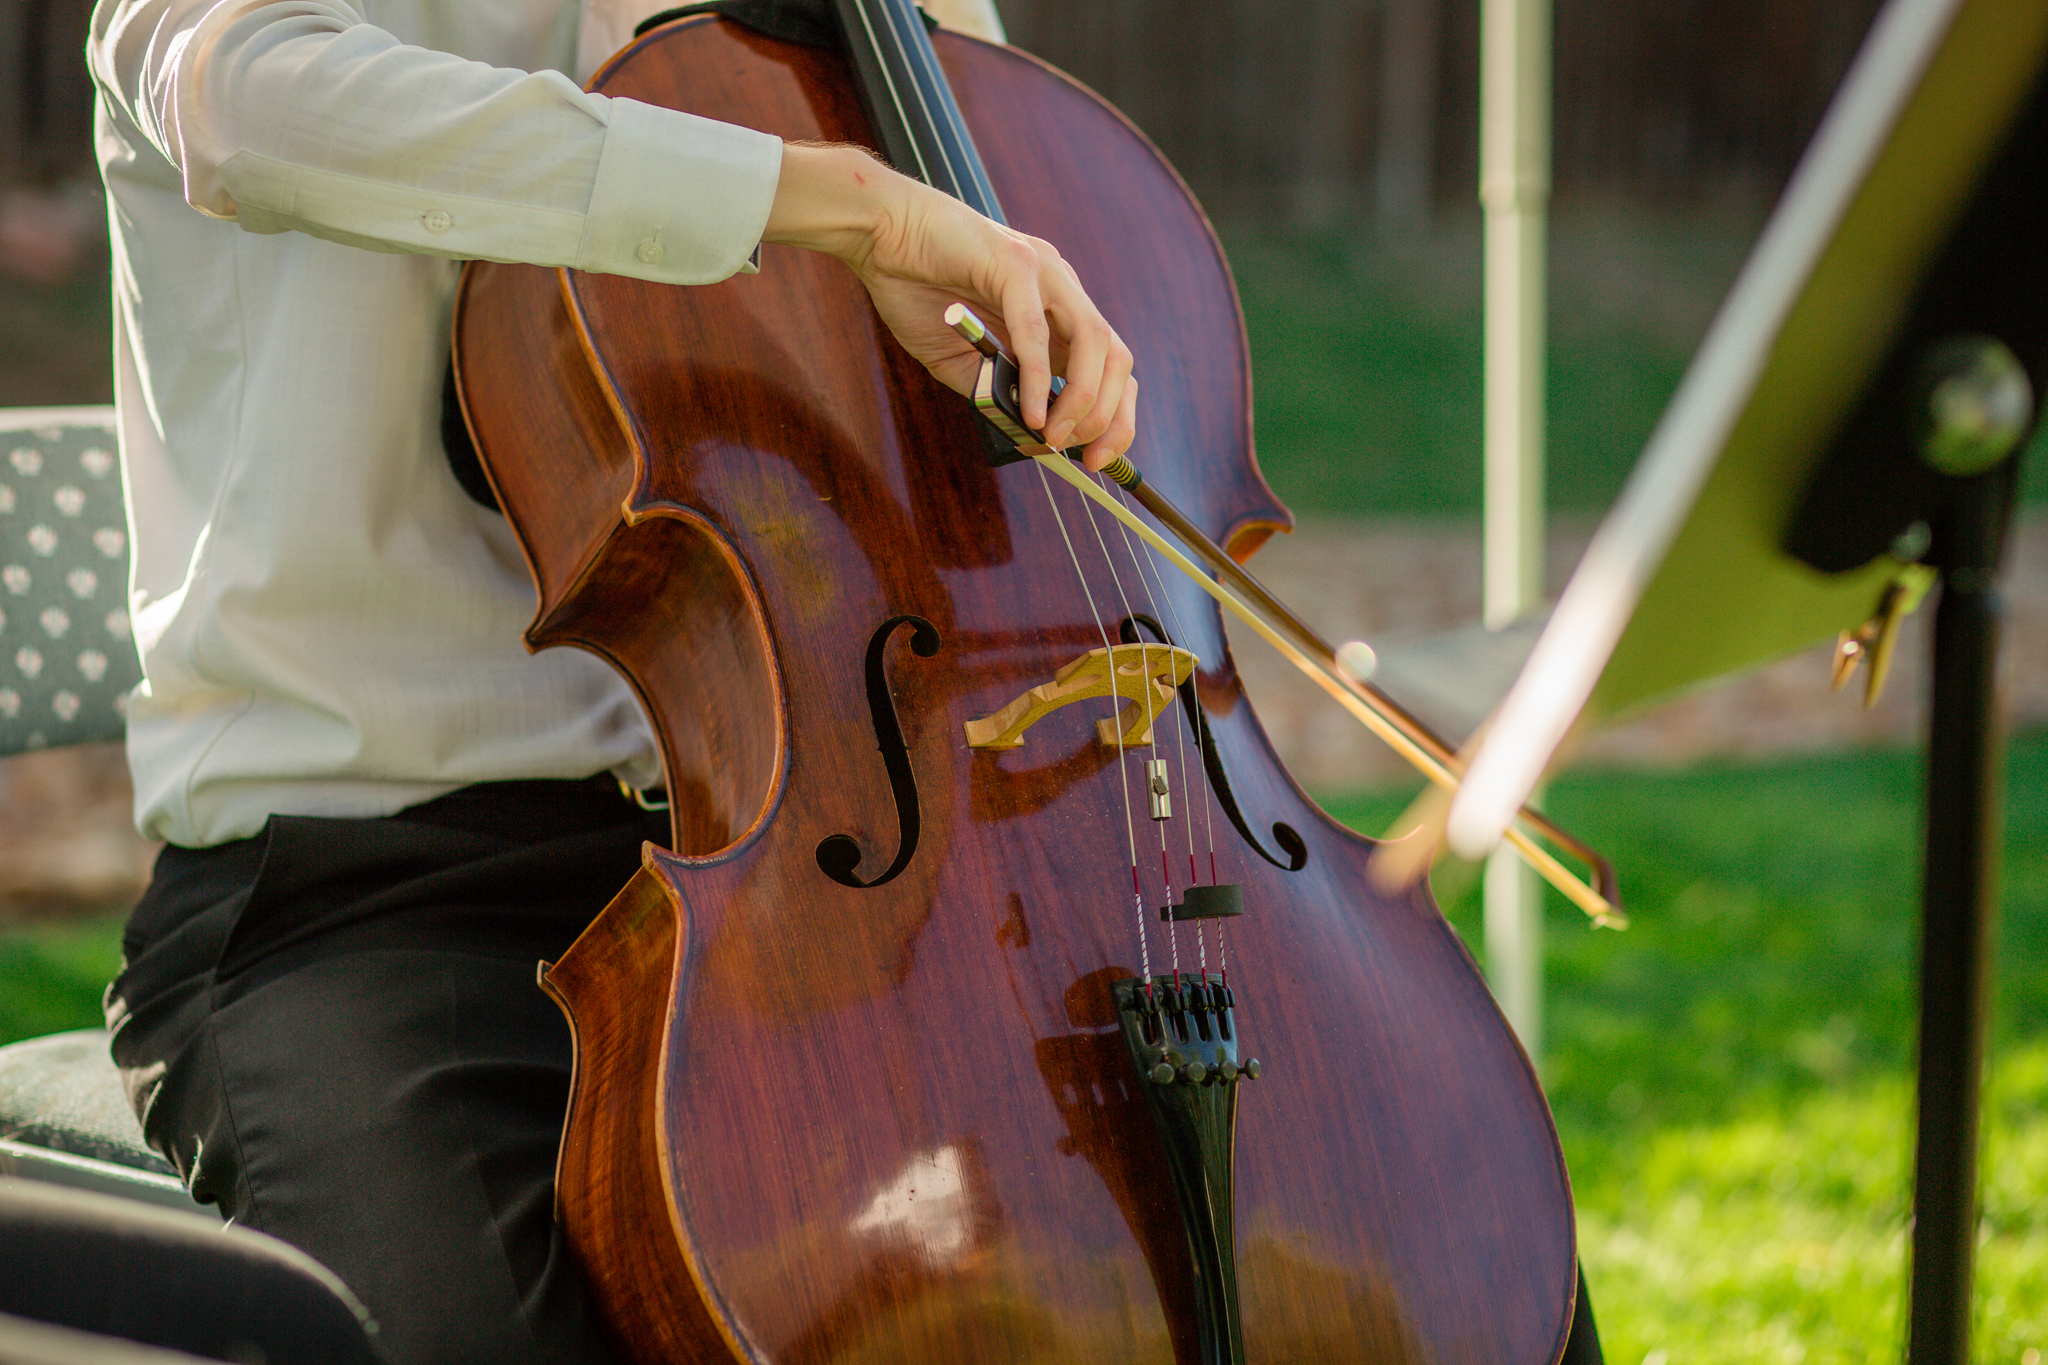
{"x":67,"y":652}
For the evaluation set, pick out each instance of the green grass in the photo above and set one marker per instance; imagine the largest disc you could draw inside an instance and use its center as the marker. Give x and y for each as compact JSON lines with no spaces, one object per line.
{"x":1779,"y":1235}
{"x":1365,"y":391}
{"x":1366,"y":353}
{"x":1731,"y":1075}
{"x":51,"y":975}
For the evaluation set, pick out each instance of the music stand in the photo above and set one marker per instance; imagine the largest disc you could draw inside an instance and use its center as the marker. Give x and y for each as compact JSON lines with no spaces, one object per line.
{"x":1817,"y":449}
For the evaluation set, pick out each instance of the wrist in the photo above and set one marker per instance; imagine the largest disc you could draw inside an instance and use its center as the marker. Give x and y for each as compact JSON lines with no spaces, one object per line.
{"x":832,"y":198}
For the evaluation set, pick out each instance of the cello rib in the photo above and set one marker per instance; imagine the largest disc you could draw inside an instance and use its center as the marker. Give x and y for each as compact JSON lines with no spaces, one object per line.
{"x":610,"y":1178}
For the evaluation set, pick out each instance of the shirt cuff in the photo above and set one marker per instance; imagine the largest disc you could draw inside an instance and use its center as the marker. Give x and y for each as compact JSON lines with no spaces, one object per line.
{"x":678,"y":199}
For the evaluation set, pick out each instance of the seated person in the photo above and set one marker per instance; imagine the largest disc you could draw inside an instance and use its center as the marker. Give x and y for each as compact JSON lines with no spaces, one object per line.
{"x":380,"y":811}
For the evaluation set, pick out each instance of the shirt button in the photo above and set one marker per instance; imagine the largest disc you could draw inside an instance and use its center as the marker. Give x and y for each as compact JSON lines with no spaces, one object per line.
{"x":437,"y":220}
{"x":650,"y":252}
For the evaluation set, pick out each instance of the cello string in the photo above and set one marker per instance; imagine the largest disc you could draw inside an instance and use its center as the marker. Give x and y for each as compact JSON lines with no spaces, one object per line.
{"x":1122,"y":769}
{"x":895,"y":96}
{"x":1180,"y":631}
{"x":924,"y":59}
{"x":1152,"y":596}
{"x":1154,"y":590}
{"x":1208,"y":797}
{"x":1125,"y":510}
{"x":1165,"y":872}
{"x":1158,"y":577}
{"x":1126,"y":515}
{"x":922,"y":74}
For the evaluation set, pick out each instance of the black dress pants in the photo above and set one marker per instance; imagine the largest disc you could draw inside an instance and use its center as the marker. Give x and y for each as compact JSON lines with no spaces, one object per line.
{"x":333,"y":1031}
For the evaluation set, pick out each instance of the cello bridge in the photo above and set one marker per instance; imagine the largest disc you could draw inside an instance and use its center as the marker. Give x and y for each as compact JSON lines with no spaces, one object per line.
{"x":1147,"y":676}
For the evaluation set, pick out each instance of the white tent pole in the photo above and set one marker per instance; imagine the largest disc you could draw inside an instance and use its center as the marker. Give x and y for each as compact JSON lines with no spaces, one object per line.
{"x":1514,"y":189}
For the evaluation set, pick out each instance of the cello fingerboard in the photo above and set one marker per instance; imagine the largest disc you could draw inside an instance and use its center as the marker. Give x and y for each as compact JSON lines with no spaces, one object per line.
{"x":909,"y":104}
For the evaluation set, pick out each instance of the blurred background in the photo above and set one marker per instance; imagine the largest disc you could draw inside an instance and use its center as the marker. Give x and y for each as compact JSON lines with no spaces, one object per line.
{"x":1731,"y":1075}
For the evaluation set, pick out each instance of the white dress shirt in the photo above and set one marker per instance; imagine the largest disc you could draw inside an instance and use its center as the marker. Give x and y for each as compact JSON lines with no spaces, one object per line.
{"x":328,"y":626}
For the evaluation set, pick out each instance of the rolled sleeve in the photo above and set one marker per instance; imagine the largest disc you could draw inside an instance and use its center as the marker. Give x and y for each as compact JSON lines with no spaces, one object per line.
{"x":677,"y":198}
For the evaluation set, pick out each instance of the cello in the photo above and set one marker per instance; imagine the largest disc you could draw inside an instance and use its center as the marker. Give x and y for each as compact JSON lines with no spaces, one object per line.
{"x":1001,"y":996}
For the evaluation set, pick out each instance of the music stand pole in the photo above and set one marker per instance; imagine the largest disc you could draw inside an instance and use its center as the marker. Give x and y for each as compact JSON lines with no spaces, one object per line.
{"x":1958,"y":919}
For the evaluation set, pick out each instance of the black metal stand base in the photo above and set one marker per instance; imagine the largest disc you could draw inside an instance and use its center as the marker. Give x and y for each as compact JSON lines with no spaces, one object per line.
{"x":1958,"y":925}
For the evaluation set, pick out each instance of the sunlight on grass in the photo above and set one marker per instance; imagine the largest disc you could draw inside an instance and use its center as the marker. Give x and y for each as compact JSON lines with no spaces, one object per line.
{"x":1782,"y":1237}
{"x":1731,"y":1076}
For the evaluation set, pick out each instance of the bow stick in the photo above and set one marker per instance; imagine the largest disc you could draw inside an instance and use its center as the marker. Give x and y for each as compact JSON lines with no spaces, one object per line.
{"x":996,"y":396}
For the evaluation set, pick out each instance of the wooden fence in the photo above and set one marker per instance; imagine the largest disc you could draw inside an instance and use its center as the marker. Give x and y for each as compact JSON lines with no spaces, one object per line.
{"x":1313,"y":110}
{"x":1369,"y":108}
{"x":45,"y":93}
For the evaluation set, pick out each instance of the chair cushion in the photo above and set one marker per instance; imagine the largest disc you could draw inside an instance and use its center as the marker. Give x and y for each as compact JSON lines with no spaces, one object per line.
{"x":62,"y":1092}
{"x":67,"y":654}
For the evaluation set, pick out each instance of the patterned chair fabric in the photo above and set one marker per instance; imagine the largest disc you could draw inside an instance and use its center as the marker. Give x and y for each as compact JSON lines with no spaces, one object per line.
{"x":67,"y":664}
{"x":63,"y":1094}
{"x":67,"y":654}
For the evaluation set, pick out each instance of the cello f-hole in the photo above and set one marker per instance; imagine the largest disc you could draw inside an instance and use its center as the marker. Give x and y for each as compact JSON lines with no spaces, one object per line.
{"x":1285,"y":835}
{"x":840,"y":854}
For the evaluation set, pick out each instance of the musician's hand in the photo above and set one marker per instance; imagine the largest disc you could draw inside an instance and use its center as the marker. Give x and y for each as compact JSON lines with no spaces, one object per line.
{"x":918,"y":250}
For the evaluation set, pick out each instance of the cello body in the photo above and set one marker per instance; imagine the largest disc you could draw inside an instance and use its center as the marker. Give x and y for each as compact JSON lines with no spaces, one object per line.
{"x":819,"y":1121}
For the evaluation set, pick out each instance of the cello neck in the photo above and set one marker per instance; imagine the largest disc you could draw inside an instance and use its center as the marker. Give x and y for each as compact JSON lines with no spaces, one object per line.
{"x":909,"y":104}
